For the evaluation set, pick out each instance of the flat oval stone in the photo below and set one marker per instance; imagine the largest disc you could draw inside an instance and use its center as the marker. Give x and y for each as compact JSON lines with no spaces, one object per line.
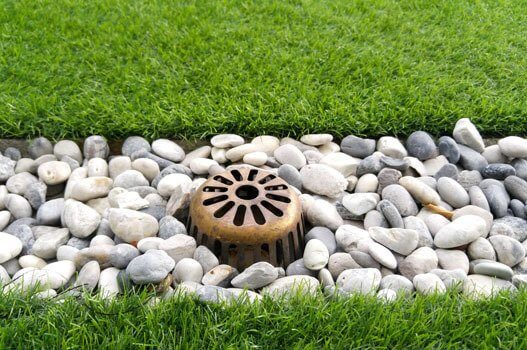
{"x":448,"y":147}
{"x":471,"y":160}
{"x":452,"y":192}
{"x":400,"y":240}
{"x":360,"y":203}
{"x":391,"y":147}
{"x":494,"y":269}
{"x":289,"y":154}
{"x":421,"y":192}
{"x":420,"y":145}
{"x":362,"y":281}
{"x":461,"y":231}
{"x":226,"y":140}
{"x":498,"y":171}
{"x":357,"y":147}
{"x":334,"y":182}
{"x":428,"y":284}
{"x":509,"y":251}
{"x":401,"y":198}
{"x":481,"y":286}
{"x":517,"y":187}
{"x":421,"y":260}
{"x":496,"y":195}
{"x":513,"y":146}
{"x":168,"y":149}
{"x":132,"y":226}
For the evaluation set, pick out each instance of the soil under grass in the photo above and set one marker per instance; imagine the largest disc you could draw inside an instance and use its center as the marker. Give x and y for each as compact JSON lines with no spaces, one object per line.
{"x":303,"y":323}
{"x":195,"y":68}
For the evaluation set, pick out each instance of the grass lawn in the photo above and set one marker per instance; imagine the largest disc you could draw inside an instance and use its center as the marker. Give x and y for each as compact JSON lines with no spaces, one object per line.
{"x":194,"y":68}
{"x":304,"y":323}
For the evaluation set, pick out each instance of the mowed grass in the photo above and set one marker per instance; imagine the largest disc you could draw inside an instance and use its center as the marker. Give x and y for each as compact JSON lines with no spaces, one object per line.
{"x":190,"y":69}
{"x":431,"y":322}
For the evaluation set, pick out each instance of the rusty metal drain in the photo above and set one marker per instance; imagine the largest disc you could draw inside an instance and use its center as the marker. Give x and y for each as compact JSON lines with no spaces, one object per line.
{"x":248,"y":215}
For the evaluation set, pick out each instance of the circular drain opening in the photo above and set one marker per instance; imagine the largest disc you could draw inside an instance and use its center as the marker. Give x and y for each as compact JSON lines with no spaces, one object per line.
{"x":247,"y":192}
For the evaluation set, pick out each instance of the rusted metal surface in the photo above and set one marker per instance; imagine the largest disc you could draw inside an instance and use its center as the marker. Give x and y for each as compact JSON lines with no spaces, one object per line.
{"x":248,"y":215}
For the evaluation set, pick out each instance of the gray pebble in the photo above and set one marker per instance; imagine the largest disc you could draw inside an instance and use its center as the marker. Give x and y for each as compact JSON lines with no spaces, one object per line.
{"x":517,"y":187}
{"x":498,"y":171}
{"x":514,"y":227}
{"x":471,"y":160}
{"x":71,"y":162}
{"x":477,"y":198}
{"x":375,"y":218}
{"x":206,"y":258}
{"x":133,"y":144}
{"x":469,"y":178}
{"x":324,"y":235}
{"x":364,"y":259}
{"x":518,"y":208}
{"x":291,"y":175}
{"x":25,"y":234}
{"x":78,"y":243}
{"x":142,"y":153}
{"x":394,"y":163}
{"x":297,"y":268}
{"x":151,"y":267}
{"x":387,"y":177}
{"x":509,"y":251}
{"x":390,"y":212}
{"x":496,"y":195}
{"x":12,"y":153}
{"x":401,"y":198}
{"x":448,"y":147}
{"x":447,"y":170}
{"x":121,"y":255}
{"x":172,"y":169}
{"x":357,"y":147}
{"x":96,"y":147}
{"x":7,"y":168}
{"x":49,"y":213}
{"x":39,"y":147}
{"x":420,"y":145}
{"x":157,"y":211}
{"x":170,"y":226}
{"x":369,"y":165}
{"x":520,"y":165}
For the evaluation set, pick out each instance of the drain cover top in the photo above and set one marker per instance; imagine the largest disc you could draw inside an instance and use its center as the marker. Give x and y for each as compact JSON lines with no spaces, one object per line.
{"x":246,"y":206}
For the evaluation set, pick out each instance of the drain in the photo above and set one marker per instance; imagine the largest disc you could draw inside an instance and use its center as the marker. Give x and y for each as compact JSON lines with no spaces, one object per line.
{"x":248,"y":215}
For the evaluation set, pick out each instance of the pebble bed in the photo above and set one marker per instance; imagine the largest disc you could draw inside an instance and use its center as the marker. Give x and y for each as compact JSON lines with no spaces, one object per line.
{"x":385,"y":217}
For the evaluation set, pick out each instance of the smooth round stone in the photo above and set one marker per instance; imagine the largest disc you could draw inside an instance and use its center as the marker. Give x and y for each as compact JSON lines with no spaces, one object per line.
{"x":67,"y":148}
{"x":316,"y":255}
{"x":481,"y":286}
{"x":46,"y":246}
{"x":471,"y":160}
{"x":96,"y":147}
{"x":509,"y":251}
{"x":370,"y":165}
{"x":382,"y":255}
{"x":400,"y":240}
{"x":289,"y":154}
{"x":360,"y":203}
{"x":170,"y":226}
{"x":151,"y":267}
{"x":18,"y":206}
{"x":365,"y":259}
{"x":119,"y":165}
{"x":237,"y":153}
{"x":133,"y":144}
{"x":447,"y":170}
{"x":517,"y":187}
{"x":59,"y":273}
{"x":323,"y":213}
{"x":449,"y":148}
{"x":428,"y":284}
{"x":461,"y":231}
{"x":297,"y":267}
{"x":10,"y":247}
{"x":401,"y":198}
{"x":5,"y":217}
{"x":179,"y":247}
{"x":54,"y":172}
{"x":420,"y":261}
{"x":513,"y":147}
{"x":300,"y":145}
{"x":12,"y":153}
{"x":316,"y":139}
{"x":108,"y":284}
{"x":452,"y":192}
{"x":35,"y":194}
{"x":173,"y":169}
{"x":481,"y":249}
{"x":473,"y":210}
{"x":498,"y":171}
{"x":421,"y":192}
{"x":328,"y":148}
{"x":201,"y":152}
{"x":392,"y":147}
{"x":520,"y":165}
{"x":97,"y":167}
{"x":452,"y":259}
{"x":168,"y":149}
{"x":130,"y":178}
{"x":518,"y":208}
{"x":168,"y":184}
{"x":325,"y":278}
{"x":218,"y":154}
{"x":291,"y":285}
{"x":90,"y":188}
{"x":81,"y":220}
{"x":39,"y":147}
{"x":420,"y":145}
{"x":23,"y":165}
{"x":147,"y":167}
{"x":101,"y":240}
{"x":324,"y":235}
{"x":494,"y":269}
{"x":226,"y":140}
{"x":216,"y":170}
{"x":341,"y":162}
{"x":400,"y":284}
{"x":220,"y":276}
{"x":132,"y":226}
{"x":291,"y":175}
{"x":357,"y":147}
{"x":200,"y":166}
{"x":255,"y":158}
{"x":497,"y":196}
{"x":121,"y":255}
{"x":469,"y":178}
{"x":390,"y":212}
{"x":367,"y":183}
{"x":19,"y":183}
{"x":88,"y":276}
{"x":466,"y":134}
{"x":256,"y":276}
{"x":340,"y":262}
{"x":478,"y":198}
{"x":362,"y":281}
{"x":394,"y":163}
{"x":510,"y":226}
{"x":188,"y":270}
{"x":148,"y":243}
{"x":493,"y":155}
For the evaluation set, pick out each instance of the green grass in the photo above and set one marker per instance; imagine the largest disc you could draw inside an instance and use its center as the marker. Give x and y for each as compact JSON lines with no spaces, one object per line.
{"x":191,"y":69}
{"x":304,"y":323}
